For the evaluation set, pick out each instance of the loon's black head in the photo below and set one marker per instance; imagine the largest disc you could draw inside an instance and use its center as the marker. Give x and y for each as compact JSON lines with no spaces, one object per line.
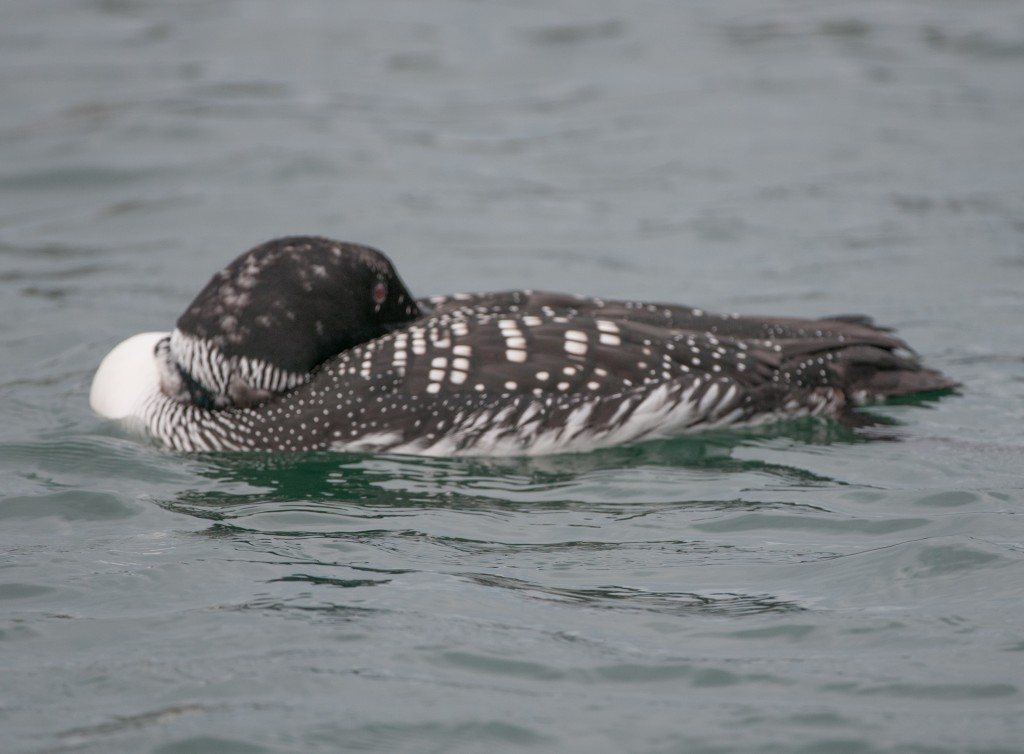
{"x":268,"y":319}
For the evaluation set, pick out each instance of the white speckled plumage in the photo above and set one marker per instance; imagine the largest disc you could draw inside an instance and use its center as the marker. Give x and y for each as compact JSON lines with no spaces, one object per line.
{"x":306,"y":343}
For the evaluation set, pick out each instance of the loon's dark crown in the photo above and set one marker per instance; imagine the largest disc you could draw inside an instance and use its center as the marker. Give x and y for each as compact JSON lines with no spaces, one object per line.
{"x":268,"y":319}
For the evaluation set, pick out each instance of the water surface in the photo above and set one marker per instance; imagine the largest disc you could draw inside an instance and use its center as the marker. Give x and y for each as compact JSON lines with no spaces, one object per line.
{"x":801,"y":589}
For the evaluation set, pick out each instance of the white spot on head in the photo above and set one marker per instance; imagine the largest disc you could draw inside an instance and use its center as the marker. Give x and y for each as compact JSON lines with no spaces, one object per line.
{"x":609,"y":339}
{"x":514,"y":355}
{"x":576,"y":349}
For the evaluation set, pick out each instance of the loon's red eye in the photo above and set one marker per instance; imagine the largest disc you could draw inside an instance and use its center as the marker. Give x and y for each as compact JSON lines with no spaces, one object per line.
{"x":380,"y":292}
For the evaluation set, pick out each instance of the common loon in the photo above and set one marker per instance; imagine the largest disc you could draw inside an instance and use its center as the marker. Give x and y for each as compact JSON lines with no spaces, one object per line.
{"x":304,"y":343}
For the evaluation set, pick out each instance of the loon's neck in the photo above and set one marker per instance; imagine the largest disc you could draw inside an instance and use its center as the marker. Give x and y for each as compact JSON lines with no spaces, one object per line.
{"x":195,"y":371}
{"x":128,"y":387}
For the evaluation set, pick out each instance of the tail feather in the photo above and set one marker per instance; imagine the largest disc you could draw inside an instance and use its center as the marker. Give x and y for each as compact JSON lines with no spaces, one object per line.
{"x":869,"y":373}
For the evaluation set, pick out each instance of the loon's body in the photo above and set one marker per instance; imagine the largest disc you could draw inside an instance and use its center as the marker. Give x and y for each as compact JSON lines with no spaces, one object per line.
{"x":310,"y":344}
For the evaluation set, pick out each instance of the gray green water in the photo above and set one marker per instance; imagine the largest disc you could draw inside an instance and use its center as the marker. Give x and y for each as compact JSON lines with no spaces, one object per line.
{"x":803,"y":589}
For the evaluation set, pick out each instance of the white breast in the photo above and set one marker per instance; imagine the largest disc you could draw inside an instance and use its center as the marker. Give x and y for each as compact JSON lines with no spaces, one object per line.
{"x":126,"y":377}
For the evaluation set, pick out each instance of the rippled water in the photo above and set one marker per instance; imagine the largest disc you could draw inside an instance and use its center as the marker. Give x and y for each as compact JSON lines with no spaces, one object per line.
{"x":806,"y":588}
